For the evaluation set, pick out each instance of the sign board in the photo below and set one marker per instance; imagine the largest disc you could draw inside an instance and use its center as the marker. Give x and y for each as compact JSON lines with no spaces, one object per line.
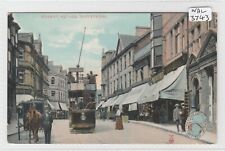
{"x":76,"y":86}
{"x":76,"y":69}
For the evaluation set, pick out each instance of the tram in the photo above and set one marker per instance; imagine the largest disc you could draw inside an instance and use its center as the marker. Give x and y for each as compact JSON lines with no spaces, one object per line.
{"x":81,"y":93}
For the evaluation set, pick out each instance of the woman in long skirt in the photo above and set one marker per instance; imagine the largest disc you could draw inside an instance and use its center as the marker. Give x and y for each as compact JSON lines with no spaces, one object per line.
{"x":119,"y":122}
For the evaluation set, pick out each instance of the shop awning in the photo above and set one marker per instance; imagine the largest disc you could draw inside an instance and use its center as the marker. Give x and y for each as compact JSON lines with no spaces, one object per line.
{"x":63,"y":106}
{"x":177,"y":89}
{"x":167,"y":88}
{"x":51,"y":106}
{"x":109,"y":102}
{"x":55,"y":105}
{"x":135,"y":94}
{"x":120,"y":99}
{"x":23,"y":98}
{"x":100,"y":104}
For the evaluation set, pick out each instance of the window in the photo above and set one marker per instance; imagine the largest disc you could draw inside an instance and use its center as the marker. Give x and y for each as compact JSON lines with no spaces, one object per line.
{"x":125,"y":63}
{"x":183,"y":43}
{"x":136,"y":75}
{"x":157,"y":56}
{"x":9,"y":55}
{"x":157,"y":22}
{"x":117,"y":82}
{"x":121,"y":82}
{"x":13,"y":40}
{"x":117,"y":66}
{"x":198,"y":42}
{"x":16,"y":38}
{"x":192,"y":39}
{"x":121,"y":64}
{"x":9,"y":33}
{"x":129,"y":58}
{"x":21,"y":74}
{"x":21,"y":53}
{"x":52,"y":93}
{"x":114,"y":69}
{"x":129,"y":78}
{"x":125,"y":81}
{"x":53,"y":80}
{"x":142,"y":74}
{"x":199,"y":30}
{"x":176,"y":43}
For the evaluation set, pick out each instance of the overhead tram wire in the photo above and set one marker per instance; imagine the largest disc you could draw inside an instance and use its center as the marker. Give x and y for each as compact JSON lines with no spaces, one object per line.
{"x":78,"y":64}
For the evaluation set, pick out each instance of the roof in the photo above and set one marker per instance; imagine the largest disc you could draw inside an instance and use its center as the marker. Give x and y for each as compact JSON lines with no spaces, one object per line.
{"x":127,"y":39}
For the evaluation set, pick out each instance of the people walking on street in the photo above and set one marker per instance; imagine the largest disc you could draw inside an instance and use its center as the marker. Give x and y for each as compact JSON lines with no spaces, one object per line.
{"x":47,"y":124}
{"x":177,"y":116}
{"x":119,"y":122}
{"x":184,"y":115}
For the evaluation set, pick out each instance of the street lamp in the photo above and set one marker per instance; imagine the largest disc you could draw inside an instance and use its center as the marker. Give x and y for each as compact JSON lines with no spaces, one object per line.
{"x":19,"y":111}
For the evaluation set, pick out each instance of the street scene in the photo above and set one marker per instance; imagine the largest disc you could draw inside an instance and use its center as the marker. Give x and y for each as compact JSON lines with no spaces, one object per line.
{"x":111,"y":78}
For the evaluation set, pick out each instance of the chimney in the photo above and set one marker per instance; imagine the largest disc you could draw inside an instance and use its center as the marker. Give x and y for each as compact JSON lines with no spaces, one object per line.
{"x":140,"y":30}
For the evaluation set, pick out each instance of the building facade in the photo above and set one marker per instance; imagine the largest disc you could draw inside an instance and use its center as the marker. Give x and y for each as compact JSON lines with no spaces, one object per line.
{"x":119,"y":69}
{"x":58,"y":89}
{"x":193,"y":44}
{"x":12,"y":52}
{"x":32,"y":70}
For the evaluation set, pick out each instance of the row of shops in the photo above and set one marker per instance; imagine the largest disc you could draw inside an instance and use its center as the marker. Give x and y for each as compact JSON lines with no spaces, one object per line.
{"x":152,"y":102}
{"x":59,"y":110}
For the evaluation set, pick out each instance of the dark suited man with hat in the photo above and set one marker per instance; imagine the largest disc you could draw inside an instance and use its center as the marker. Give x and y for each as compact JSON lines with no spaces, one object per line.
{"x":47,"y":124}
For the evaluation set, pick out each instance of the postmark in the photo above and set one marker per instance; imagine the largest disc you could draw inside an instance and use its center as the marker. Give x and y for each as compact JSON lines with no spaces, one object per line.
{"x":196,"y":124}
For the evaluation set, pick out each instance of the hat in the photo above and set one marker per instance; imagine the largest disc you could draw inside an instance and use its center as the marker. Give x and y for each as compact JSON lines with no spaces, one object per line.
{"x":177,"y":105}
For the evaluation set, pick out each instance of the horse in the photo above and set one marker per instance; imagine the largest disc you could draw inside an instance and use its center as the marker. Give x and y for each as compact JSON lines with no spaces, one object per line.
{"x":34,"y":122}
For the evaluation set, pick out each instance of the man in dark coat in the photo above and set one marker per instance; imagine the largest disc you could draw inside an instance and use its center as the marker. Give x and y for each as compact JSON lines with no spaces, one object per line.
{"x":47,"y":124}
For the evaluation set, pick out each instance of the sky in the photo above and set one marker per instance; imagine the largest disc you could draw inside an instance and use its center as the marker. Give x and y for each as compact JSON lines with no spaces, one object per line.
{"x":61,"y":35}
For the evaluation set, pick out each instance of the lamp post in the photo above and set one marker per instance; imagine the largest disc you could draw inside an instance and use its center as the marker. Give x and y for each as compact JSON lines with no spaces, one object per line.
{"x":19,"y":109}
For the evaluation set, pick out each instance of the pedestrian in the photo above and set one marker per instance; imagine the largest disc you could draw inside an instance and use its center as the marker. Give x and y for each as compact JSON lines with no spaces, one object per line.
{"x":119,"y":122}
{"x":184,"y":115}
{"x":177,"y":116}
{"x":47,"y":124}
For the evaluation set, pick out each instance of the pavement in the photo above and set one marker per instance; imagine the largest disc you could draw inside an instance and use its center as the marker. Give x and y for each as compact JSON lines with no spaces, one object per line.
{"x":12,"y":127}
{"x":207,"y":137}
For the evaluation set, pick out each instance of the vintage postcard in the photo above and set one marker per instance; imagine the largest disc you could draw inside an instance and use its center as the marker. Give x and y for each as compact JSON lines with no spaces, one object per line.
{"x":88,"y":77}
{"x":78,"y":78}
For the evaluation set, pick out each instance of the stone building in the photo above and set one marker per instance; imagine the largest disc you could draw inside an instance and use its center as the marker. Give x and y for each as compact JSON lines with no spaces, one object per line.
{"x":192,"y":44}
{"x":106,"y":58}
{"x":202,"y":69}
{"x":57,"y":91}
{"x":12,"y":51}
{"x":32,"y":70}
{"x":121,"y":72}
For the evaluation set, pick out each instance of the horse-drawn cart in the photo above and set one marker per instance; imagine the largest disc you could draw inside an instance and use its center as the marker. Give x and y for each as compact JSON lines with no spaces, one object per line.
{"x":25,"y":106}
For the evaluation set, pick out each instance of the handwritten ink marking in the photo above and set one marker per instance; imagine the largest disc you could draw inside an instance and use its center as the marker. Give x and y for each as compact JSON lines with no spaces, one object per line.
{"x":200,"y":14}
{"x":171,"y":139}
